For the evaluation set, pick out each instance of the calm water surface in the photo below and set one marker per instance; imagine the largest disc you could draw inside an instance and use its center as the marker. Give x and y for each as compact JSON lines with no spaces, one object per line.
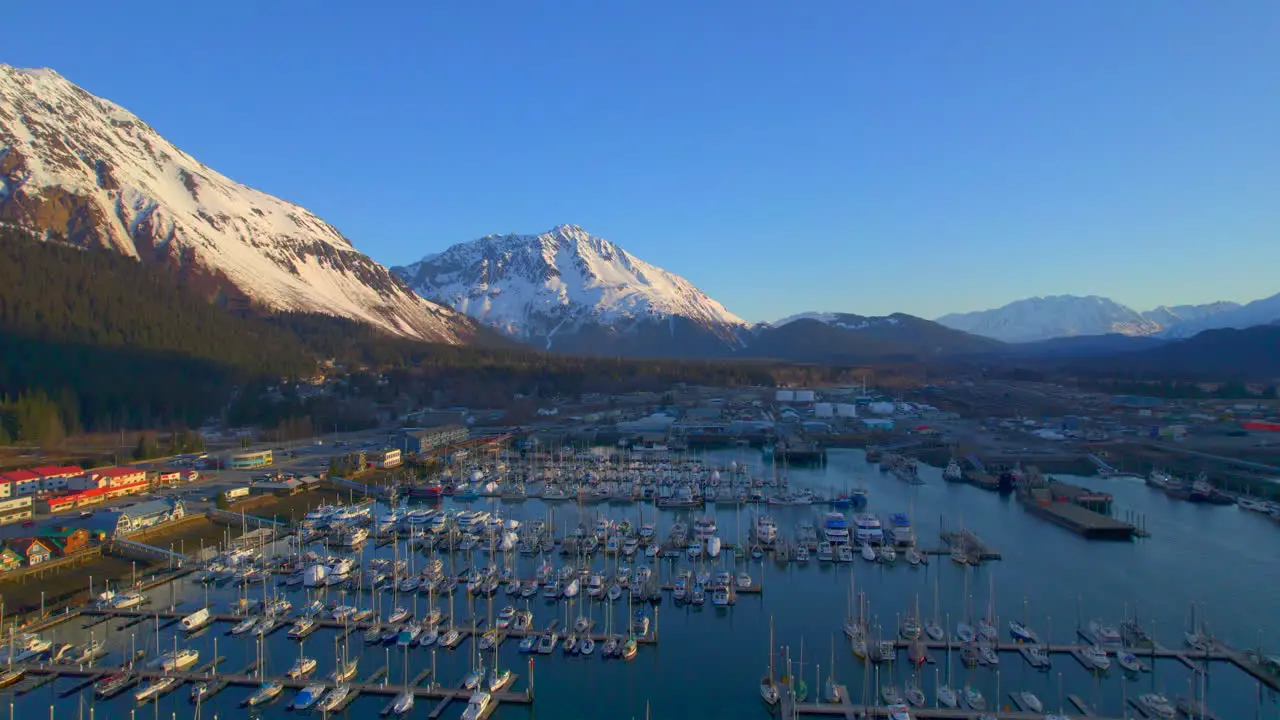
{"x":708,"y":661}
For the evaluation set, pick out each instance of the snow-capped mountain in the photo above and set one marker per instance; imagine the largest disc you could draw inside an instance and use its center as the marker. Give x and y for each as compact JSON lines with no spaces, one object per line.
{"x":568,"y":290}
{"x":1259,"y":312}
{"x":85,"y":170}
{"x":1168,"y":317}
{"x":1042,"y":318}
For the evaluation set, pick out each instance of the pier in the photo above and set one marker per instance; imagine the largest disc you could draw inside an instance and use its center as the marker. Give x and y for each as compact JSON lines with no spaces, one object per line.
{"x":44,"y":674}
{"x":1080,"y":520}
{"x":847,"y":709}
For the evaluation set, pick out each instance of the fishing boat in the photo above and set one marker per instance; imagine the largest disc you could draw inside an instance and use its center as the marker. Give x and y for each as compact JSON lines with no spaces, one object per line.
{"x":302,"y":627}
{"x":265,"y":693}
{"x":155,"y":689}
{"x":308,"y":696}
{"x":802,"y":554}
{"x":886,"y":554}
{"x":1039,"y":656}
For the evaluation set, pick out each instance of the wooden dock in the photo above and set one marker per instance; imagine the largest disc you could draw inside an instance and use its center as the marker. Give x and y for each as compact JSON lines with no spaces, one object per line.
{"x":47,"y":673}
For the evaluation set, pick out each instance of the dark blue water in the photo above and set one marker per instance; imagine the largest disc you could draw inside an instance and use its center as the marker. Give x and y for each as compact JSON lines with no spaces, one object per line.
{"x":708,"y":661}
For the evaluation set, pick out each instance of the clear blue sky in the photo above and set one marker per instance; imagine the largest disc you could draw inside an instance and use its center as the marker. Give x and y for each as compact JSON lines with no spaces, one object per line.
{"x":858,"y":156}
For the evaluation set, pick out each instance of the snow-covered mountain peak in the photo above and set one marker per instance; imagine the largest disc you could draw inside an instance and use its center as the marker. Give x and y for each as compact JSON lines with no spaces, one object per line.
{"x":82,"y":168}
{"x":538,"y":287}
{"x":1042,"y":318}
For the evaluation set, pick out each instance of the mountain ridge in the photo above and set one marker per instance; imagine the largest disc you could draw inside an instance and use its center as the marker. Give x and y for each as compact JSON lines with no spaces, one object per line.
{"x":1042,"y":318}
{"x":81,"y":168}
{"x":568,"y":290}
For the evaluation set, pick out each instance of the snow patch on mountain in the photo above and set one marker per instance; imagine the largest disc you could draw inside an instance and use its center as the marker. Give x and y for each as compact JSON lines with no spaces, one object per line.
{"x":1043,"y":318}
{"x":845,"y":321}
{"x":1259,"y":312}
{"x":86,"y":170}
{"x":541,"y":287}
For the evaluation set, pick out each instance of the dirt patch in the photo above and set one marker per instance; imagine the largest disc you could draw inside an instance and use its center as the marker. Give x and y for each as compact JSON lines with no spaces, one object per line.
{"x":69,"y":586}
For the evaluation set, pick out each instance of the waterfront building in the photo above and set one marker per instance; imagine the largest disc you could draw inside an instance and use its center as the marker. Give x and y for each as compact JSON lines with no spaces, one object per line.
{"x":423,"y":440}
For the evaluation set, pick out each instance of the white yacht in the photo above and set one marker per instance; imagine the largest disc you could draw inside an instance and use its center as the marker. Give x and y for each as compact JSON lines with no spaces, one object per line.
{"x":1157,"y":706}
{"x":477,"y":706}
{"x":335,"y":698}
{"x":704,"y":528}
{"x":196,"y":620}
{"x":901,"y":534}
{"x":766,"y":530}
{"x":867,"y":529}
{"x":835,"y":528}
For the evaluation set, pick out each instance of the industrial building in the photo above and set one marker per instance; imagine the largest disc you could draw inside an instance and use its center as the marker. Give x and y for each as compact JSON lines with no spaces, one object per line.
{"x":423,"y":440}
{"x":385,"y":459}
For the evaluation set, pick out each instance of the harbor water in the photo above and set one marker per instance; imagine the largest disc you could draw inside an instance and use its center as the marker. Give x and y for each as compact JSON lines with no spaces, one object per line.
{"x":708,"y":661}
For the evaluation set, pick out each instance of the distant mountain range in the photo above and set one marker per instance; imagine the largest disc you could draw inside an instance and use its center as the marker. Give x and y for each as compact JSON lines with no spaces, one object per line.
{"x":1055,"y":316}
{"x":80,"y":169}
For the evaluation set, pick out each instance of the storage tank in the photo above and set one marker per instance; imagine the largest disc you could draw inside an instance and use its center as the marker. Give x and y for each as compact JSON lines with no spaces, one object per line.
{"x":785,"y":396}
{"x":804,"y":396}
{"x":823,"y":410}
{"x":847,"y":410}
{"x":882,"y":408}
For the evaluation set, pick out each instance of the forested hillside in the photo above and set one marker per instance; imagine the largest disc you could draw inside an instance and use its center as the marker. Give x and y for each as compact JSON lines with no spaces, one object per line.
{"x":115,"y":343}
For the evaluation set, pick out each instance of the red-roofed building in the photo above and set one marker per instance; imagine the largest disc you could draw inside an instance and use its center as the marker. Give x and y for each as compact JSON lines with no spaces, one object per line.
{"x":23,"y":482}
{"x":94,"y":495}
{"x":118,"y":476}
{"x":56,"y":477}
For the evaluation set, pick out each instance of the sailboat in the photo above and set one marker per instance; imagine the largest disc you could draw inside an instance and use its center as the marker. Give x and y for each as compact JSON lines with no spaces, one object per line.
{"x":964,"y":631}
{"x":1020,"y":630}
{"x":404,"y":701}
{"x":769,"y":687}
{"x":830,"y":690}
{"x":933,"y":628}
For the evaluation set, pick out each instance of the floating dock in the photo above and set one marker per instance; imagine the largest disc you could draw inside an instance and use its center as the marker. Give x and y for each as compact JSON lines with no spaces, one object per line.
{"x":1080,"y":520}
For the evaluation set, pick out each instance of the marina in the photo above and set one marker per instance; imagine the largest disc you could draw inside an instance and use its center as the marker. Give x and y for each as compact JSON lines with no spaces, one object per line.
{"x":545,"y":587}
